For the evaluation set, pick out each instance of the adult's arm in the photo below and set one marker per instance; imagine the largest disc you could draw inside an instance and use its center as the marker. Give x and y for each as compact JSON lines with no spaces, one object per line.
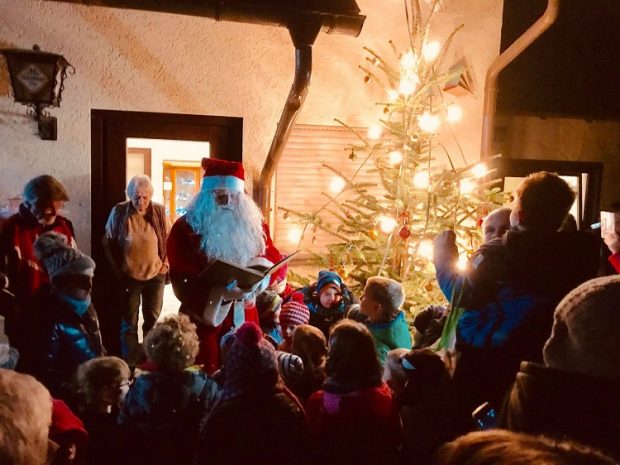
{"x":111,"y":246}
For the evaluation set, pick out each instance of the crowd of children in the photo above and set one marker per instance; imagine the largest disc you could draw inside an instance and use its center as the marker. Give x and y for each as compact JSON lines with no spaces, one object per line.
{"x":326,"y":379}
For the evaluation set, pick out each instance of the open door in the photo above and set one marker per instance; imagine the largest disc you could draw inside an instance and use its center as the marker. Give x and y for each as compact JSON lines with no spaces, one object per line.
{"x":127,"y":143}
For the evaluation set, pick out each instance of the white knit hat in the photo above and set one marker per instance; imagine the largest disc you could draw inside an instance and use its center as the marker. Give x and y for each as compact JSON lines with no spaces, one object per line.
{"x":586,"y":330}
{"x":59,"y":258}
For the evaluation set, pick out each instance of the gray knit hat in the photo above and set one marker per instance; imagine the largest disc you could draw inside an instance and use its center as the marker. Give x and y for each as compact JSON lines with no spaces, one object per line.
{"x":59,"y":258}
{"x":586,"y":330}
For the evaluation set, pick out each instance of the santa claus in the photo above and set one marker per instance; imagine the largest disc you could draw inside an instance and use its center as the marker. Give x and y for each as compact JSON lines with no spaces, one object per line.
{"x":222,"y":222}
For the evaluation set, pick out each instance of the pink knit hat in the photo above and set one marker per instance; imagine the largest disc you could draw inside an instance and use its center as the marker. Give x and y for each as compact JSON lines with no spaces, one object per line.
{"x":294,"y":312}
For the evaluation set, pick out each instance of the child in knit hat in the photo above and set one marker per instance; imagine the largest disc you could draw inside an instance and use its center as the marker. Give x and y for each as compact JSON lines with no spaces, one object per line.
{"x":257,"y":418}
{"x":328,"y":300}
{"x":381,"y":303}
{"x":293,"y":314}
{"x":575,"y":393}
{"x":65,"y":328}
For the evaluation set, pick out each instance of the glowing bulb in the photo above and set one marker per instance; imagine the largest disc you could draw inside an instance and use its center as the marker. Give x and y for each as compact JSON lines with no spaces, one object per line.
{"x":408,"y":60}
{"x":431,"y":50}
{"x":337,"y":184}
{"x":479,"y":170}
{"x":294,"y":234}
{"x":429,"y":122}
{"x":454,"y":113}
{"x":392,"y":95}
{"x":395,"y":157}
{"x":467,"y":186}
{"x":387,"y":224}
{"x":426,"y":249}
{"x":421,"y":179}
{"x":375,"y":132}
{"x":462,"y":263}
{"x":408,"y":85}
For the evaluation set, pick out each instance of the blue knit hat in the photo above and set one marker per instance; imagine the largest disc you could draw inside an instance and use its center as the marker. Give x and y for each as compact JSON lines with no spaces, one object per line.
{"x":327,"y":277}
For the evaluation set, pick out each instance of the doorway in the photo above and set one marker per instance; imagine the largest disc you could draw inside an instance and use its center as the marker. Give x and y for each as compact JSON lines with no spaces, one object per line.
{"x":168,"y":148}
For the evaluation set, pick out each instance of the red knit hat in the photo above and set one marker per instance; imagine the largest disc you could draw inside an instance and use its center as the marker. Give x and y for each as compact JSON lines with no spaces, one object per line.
{"x":222,"y":174}
{"x":294,"y":312}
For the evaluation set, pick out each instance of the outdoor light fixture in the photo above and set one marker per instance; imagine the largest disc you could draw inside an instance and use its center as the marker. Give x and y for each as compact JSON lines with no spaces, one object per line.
{"x":37,"y":79}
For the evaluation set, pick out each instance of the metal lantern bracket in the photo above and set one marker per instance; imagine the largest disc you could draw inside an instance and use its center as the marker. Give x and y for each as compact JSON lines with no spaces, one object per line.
{"x":37,"y":80}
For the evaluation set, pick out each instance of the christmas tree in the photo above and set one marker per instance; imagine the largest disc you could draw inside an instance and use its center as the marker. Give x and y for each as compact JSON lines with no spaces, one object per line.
{"x":388,"y":228}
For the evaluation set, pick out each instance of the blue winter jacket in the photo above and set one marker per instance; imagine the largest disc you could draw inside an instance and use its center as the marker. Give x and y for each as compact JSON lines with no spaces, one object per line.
{"x":512,"y":287}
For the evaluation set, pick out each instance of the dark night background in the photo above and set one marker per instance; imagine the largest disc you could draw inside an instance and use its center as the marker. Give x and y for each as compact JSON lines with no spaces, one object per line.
{"x":572,"y":70}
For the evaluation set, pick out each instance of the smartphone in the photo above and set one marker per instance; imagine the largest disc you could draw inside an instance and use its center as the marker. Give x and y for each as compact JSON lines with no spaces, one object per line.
{"x":485,"y":417}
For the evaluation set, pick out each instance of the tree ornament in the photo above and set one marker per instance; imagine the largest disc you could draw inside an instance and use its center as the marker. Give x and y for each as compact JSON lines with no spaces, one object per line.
{"x":367,"y":79}
{"x":404,"y":233}
{"x":428,"y":287}
{"x":352,"y":155}
{"x":386,"y":109}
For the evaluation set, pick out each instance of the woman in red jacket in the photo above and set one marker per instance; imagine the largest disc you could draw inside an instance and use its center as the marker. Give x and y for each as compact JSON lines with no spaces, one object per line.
{"x":353,"y":418}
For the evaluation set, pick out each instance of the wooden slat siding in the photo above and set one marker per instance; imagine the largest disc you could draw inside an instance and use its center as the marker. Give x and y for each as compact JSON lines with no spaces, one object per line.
{"x":301,"y":178}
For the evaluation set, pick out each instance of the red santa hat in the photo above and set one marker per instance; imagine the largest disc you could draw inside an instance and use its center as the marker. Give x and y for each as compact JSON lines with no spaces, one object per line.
{"x":222,"y":174}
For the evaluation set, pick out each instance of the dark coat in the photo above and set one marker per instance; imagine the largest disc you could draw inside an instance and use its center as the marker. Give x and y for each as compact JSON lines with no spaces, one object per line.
{"x":564,"y":404}
{"x":61,"y":341}
{"x":261,"y":428}
{"x":509,"y":296}
{"x":161,"y":413}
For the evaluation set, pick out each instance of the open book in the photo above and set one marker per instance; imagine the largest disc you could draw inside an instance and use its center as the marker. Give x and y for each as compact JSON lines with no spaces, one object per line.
{"x":222,"y":273}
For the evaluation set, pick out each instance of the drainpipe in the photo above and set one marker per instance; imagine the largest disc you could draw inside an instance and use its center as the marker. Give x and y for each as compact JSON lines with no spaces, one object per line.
{"x":304,"y":33}
{"x":490,"y":85}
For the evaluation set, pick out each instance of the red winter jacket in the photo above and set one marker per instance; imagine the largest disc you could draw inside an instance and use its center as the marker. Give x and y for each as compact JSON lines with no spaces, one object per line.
{"x":17,"y":258}
{"x":361,"y":426}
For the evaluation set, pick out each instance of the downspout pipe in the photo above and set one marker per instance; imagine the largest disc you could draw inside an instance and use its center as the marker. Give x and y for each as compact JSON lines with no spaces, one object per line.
{"x":490,"y":85}
{"x":304,"y":34}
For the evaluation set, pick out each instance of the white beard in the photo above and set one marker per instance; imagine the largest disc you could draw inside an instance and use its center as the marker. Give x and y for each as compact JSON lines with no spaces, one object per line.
{"x":233,"y":233}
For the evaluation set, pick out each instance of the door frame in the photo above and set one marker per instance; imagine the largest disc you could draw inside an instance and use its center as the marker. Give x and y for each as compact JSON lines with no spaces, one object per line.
{"x":109,"y":132}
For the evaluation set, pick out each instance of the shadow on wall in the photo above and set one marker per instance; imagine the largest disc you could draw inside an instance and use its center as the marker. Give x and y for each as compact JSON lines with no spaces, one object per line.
{"x":147,"y":65}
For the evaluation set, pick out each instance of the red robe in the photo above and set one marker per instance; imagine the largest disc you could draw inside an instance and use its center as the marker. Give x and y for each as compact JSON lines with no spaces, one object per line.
{"x":186,"y":261}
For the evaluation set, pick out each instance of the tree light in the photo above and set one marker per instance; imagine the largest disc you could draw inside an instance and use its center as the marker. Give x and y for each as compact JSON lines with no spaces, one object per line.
{"x":429,"y":122}
{"x":337,"y":184}
{"x":374,"y":132}
{"x":408,"y":60}
{"x":421,"y":179}
{"x":387,"y":224}
{"x":426,"y":249}
{"x":395,"y":157}
{"x":431,"y":50}
{"x":462,"y":263}
{"x":479,"y":170}
{"x":408,"y":85}
{"x":454,"y":113}
{"x":467,"y":186}
{"x":392,"y":95}
{"x":294,"y":234}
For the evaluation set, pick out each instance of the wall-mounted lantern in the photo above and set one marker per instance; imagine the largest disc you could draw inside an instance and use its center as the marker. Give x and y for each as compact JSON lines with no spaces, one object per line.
{"x":37,"y":79}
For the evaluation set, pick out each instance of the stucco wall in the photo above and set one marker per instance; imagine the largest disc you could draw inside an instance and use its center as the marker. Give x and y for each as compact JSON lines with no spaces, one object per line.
{"x":155,"y":62}
{"x":569,"y":139}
